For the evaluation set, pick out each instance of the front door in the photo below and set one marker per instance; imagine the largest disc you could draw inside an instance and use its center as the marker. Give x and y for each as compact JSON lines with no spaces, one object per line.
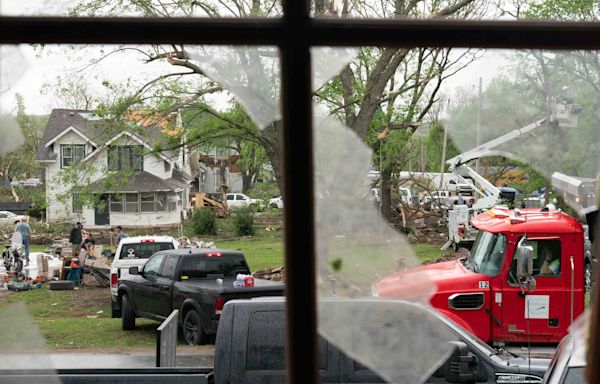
{"x":101,"y":215}
{"x":541,"y":315}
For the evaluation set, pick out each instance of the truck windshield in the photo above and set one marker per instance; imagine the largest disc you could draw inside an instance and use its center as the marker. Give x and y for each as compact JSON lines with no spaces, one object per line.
{"x":487,"y":253}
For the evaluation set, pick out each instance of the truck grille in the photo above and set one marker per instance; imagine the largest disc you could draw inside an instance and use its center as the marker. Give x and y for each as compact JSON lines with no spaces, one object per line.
{"x":466,"y":301}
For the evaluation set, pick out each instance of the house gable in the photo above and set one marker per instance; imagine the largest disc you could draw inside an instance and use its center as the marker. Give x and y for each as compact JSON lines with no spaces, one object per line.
{"x":61,"y":137}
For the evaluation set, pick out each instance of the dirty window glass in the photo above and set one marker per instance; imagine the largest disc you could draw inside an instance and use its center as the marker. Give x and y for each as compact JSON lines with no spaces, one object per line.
{"x":152,"y":266}
{"x":266,"y":342}
{"x":149,"y":8}
{"x":547,"y":259}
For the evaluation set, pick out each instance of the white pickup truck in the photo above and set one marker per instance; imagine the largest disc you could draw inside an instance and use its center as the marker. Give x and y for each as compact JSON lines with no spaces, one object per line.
{"x":134,"y":252}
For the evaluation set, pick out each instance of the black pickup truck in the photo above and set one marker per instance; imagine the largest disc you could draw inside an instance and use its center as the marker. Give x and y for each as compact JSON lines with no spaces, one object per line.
{"x":197,"y":282}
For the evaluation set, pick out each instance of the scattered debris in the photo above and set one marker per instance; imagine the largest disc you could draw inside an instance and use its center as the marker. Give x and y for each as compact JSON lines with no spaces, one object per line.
{"x":274,"y":274}
{"x":185,"y":242}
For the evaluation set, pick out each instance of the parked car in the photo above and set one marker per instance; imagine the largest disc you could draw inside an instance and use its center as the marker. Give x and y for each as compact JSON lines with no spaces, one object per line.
{"x":239,"y":200}
{"x":569,"y":361}
{"x":134,"y":252}
{"x":32,"y":183}
{"x":250,"y":348}
{"x":196,"y":281}
{"x":10,"y":218}
{"x":276,"y":202}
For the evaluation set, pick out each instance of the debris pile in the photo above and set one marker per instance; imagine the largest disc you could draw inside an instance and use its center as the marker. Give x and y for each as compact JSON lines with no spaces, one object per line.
{"x":274,"y":274}
{"x":185,"y":242}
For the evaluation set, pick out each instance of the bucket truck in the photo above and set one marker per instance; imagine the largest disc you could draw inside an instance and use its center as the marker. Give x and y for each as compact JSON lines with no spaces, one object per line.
{"x":460,"y":230}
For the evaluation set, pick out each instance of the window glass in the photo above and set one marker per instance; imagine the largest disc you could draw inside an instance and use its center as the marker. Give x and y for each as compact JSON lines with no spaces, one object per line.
{"x":3,"y":216}
{"x":131,"y":202}
{"x":153,"y":265}
{"x":116,"y":202}
{"x":226,"y":265}
{"x":546,"y":259}
{"x":143,"y":250}
{"x":168,"y":269}
{"x":240,"y":197}
{"x":230,"y":197}
{"x":71,"y":154}
{"x":487,"y":254}
{"x":147,"y":199}
{"x":77,"y":204}
{"x":160,"y":204}
{"x":575,"y":375}
{"x":266,"y":342}
{"x":153,"y":8}
{"x":125,"y":157}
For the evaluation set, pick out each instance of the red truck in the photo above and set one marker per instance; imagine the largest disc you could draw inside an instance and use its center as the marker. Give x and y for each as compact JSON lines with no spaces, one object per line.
{"x":522,"y":281}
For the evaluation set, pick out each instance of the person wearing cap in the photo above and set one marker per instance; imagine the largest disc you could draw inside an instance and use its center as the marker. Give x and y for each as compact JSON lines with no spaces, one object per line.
{"x":75,"y":238}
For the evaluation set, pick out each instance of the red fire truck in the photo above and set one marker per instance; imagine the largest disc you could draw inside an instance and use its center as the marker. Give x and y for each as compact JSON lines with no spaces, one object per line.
{"x":522,"y":282}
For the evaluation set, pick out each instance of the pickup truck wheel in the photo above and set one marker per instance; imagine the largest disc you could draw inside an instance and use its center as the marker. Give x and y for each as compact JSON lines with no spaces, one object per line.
{"x":587,"y":275}
{"x":128,"y":316}
{"x":193,"y":334}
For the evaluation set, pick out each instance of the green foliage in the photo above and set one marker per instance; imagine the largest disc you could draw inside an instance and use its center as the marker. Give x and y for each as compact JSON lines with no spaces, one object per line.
{"x":244,"y":221}
{"x":572,"y":10}
{"x":204,"y":222}
{"x":264,"y":191}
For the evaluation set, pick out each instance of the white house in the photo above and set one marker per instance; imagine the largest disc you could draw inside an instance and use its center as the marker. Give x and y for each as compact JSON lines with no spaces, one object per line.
{"x":133,"y":185}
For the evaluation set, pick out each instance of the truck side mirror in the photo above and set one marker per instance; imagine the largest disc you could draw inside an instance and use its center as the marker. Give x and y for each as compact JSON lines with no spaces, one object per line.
{"x":133,"y":270}
{"x":524,"y":260}
{"x":461,"y":366}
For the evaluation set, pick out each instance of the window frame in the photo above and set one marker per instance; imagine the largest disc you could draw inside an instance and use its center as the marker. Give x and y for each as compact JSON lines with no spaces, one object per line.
{"x":76,"y":203}
{"x":72,"y":147}
{"x":296,"y":99}
{"x":128,"y":152}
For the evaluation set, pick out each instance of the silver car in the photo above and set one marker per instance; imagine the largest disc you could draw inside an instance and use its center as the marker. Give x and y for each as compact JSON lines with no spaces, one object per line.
{"x":568,"y":364}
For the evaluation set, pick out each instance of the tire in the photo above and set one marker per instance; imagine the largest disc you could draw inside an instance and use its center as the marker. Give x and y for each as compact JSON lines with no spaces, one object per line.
{"x":587,"y":275}
{"x":193,"y":333}
{"x":455,"y":246}
{"x":128,"y":315}
{"x":61,"y":285}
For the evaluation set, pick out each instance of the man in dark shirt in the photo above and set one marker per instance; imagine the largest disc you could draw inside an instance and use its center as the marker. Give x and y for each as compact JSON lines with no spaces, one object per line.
{"x":75,"y":238}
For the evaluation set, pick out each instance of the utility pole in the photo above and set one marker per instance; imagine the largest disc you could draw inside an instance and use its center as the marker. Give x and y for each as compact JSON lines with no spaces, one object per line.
{"x":442,"y":168}
{"x":478,"y":134}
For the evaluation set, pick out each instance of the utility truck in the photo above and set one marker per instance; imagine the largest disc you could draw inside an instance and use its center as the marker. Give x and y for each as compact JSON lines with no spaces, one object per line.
{"x":522,"y":282}
{"x":460,"y":230}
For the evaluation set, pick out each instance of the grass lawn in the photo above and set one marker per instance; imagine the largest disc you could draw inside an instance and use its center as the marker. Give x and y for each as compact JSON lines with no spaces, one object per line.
{"x":261,"y":252}
{"x":78,"y":319}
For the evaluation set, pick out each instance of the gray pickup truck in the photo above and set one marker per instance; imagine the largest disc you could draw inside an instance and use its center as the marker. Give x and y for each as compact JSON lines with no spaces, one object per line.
{"x":250,"y":349}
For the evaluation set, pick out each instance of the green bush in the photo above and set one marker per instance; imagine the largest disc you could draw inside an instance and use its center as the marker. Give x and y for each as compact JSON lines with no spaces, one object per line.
{"x":204,"y":222}
{"x":243,"y":219}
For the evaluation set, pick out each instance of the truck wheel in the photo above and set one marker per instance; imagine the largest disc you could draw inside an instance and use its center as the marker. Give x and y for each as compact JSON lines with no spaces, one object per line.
{"x":587,"y":275}
{"x":193,"y":334}
{"x":128,"y":316}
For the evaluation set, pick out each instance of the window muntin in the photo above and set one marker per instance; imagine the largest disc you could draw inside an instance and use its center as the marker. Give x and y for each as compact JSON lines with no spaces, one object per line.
{"x":116,"y":203}
{"x":71,"y":154}
{"x":132,"y":203}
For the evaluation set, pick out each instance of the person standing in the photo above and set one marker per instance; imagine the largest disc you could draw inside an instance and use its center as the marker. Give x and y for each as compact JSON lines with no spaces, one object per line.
{"x":120,"y":234}
{"x":75,"y":238}
{"x":25,"y":230}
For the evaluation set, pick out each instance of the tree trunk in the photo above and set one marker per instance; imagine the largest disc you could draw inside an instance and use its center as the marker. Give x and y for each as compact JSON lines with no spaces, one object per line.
{"x":271,"y":140}
{"x":246,"y":181}
{"x":386,"y":193}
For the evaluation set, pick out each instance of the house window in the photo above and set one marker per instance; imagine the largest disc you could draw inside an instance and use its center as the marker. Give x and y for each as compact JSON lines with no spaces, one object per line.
{"x":132,"y":202}
{"x":147,"y":199}
{"x":77,"y":204}
{"x":125,"y":158}
{"x":116,"y":202}
{"x":71,"y":154}
{"x":160,"y":201}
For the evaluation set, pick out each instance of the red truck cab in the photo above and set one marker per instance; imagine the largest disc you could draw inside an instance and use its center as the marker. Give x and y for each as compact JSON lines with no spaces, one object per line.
{"x":482,"y":292}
